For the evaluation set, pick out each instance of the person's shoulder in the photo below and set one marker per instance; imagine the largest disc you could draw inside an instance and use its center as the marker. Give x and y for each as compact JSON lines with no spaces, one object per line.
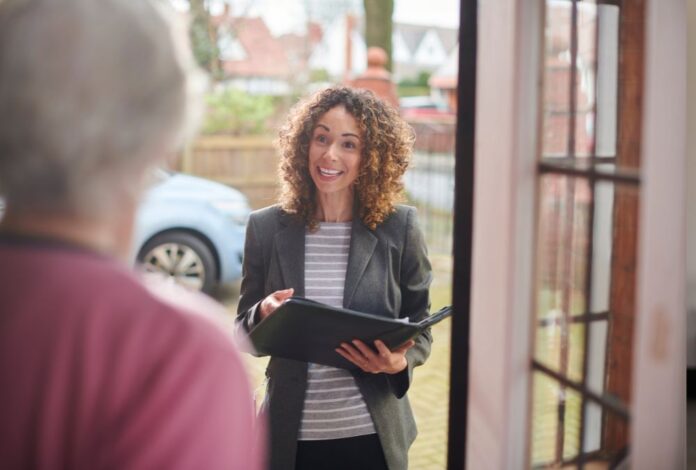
{"x":119,"y":306}
{"x":399,"y":218}
{"x":126,"y":303}
{"x":272,"y":212}
{"x":400,"y":227}
{"x":271,"y":218}
{"x":403,"y":212}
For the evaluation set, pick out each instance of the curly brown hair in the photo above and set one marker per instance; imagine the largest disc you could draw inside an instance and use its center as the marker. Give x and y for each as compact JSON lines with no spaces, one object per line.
{"x":386,"y":152}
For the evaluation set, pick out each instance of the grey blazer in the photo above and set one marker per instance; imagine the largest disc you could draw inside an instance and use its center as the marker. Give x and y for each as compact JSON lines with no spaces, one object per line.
{"x":388,"y":274}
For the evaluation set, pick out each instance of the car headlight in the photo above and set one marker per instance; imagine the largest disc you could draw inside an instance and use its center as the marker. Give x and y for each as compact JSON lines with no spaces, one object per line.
{"x":236,"y":209}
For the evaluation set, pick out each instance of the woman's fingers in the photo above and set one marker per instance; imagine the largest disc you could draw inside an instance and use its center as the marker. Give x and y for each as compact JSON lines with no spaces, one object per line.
{"x":404,"y":347}
{"x":349,"y":357}
{"x":273,"y":301}
{"x":364,"y":349}
{"x":283,"y":295}
{"x":393,"y":361}
{"x":355,"y":356}
{"x":384,"y":360}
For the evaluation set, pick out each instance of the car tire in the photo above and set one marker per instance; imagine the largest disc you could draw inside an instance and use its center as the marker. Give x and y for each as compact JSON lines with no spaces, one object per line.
{"x":181,"y":257}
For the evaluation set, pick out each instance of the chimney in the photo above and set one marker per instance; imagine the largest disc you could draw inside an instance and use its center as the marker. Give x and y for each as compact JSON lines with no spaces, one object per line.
{"x":377,"y":78}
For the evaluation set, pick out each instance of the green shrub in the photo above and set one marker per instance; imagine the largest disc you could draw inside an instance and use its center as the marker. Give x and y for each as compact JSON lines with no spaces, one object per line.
{"x":235,"y":112}
{"x":412,"y":90}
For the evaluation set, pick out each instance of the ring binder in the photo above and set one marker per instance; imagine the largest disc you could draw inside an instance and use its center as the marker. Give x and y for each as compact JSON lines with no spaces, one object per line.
{"x":310,"y":331}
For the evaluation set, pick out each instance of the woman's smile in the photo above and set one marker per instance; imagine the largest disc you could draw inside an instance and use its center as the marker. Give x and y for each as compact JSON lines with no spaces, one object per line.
{"x":329,"y":174}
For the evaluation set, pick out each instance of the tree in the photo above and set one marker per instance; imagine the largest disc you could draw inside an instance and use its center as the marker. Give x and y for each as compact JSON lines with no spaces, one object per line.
{"x":378,"y":25}
{"x":202,"y":38}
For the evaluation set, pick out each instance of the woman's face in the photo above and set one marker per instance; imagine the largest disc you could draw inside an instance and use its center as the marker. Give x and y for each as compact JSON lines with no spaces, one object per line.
{"x":335,"y":151}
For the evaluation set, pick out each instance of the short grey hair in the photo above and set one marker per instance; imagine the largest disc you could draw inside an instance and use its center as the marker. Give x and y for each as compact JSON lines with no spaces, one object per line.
{"x":92,"y":94}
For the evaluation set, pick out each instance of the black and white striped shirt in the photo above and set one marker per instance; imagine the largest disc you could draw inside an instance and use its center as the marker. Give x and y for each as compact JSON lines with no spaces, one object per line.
{"x":334,"y":407}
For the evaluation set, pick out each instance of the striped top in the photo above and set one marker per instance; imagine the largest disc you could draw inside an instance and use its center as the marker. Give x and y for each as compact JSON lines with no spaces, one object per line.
{"x":334,"y":407}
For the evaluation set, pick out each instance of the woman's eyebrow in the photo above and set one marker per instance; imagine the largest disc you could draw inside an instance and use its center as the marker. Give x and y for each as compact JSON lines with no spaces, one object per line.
{"x":327,"y":129}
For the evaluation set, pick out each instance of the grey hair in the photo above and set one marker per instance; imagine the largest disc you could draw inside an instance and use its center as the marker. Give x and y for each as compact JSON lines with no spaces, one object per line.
{"x":92,"y":94}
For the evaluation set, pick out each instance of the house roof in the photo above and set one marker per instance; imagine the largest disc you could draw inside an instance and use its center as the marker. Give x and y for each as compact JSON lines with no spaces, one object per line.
{"x":413,"y":34}
{"x":265,"y":55}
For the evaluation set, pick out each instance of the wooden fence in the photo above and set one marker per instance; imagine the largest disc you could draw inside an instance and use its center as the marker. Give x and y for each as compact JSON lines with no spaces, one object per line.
{"x":248,"y":164}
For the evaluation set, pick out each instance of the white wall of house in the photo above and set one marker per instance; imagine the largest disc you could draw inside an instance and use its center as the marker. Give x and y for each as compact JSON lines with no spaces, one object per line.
{"x":400,"y":50}
{"x":430,"y":51}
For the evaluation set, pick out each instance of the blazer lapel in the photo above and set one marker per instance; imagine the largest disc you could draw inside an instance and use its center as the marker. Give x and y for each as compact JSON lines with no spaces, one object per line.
{"x":290,"y":254}
{"x":362,"y":245}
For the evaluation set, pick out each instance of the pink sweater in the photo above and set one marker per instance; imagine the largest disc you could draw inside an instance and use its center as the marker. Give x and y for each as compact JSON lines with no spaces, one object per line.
{"x":97,"y":373}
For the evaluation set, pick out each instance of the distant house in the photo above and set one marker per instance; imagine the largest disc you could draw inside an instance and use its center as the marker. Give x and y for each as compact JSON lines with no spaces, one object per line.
{"x":415,"y":49}
{"x":418,"y":48}
{"x":253,"y":60}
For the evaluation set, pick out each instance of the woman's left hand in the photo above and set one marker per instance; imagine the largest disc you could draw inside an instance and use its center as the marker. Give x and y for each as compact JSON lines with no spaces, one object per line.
{"x":384,"y":360}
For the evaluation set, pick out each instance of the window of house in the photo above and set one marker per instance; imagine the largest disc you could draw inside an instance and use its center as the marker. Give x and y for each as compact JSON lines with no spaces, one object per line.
{"x":588,"y":187}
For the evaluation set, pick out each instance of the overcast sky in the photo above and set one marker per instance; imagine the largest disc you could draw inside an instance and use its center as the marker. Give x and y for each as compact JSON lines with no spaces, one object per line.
{"x":290,"y":15}
{"x":430,"y":12}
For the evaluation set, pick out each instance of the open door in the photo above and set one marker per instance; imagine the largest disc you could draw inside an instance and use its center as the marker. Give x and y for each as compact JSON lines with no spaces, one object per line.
{"x":576,"y":320}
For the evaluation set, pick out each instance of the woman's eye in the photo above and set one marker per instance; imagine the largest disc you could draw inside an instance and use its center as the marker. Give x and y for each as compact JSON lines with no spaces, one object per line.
{"x":349,"y":145}
{"x":321,"y":139}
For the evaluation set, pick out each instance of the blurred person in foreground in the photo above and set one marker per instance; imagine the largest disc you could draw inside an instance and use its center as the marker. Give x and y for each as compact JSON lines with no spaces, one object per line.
{"x":339,"y":237}
{"x":97,"y":371}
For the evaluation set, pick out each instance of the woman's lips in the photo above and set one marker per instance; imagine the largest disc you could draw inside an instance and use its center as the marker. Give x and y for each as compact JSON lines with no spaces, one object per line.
{"x":329,"y":173}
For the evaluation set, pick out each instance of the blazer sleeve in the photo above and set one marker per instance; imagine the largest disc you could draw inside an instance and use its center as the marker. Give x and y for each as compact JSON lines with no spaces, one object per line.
{"x":253,"y":280}
{"x":415,"y":279}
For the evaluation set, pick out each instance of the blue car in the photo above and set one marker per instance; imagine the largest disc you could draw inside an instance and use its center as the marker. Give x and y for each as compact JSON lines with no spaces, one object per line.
{"x":190,"y":230}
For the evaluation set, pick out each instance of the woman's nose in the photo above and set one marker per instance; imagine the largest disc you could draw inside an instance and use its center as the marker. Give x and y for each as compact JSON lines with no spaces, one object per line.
{"x":332,"y":152}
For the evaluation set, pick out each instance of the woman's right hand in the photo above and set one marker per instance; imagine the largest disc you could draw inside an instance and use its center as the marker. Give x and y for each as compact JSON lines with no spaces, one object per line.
{"x":273,"y":301}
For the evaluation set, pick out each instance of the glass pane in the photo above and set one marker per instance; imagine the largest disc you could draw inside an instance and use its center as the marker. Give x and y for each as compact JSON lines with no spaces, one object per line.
{"x":596,"y":355}
{"x":607,"y":79}
{"x":556,"y":412}
{"x":571,"y":423}
{"x":585,"y":80}
{"x":601,"y":246}
{"x":556,"y":94}
{"x":576,"y":348}
{"x":593,"y":427}
{"x":556,"y":428}
{"x":561,"y":267}
{"x":544,"y":419}
{"x":601,"y":447}
{"x":595,"y":77}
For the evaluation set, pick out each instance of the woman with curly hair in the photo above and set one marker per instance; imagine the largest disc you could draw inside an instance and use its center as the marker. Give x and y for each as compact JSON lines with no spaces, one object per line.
{"x":338,"y":236}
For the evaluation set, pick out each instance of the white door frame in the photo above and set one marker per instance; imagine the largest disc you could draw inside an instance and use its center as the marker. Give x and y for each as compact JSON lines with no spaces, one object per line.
{"x":659,"y":365}
{"x":507,"y":100}
{"x":509,"y":35}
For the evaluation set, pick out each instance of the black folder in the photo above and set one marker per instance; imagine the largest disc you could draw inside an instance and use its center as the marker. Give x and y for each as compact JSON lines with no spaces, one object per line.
{"x":310,"y":331}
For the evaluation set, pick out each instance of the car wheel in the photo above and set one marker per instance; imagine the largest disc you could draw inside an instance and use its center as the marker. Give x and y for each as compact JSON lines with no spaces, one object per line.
{"x":180,"y":257}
